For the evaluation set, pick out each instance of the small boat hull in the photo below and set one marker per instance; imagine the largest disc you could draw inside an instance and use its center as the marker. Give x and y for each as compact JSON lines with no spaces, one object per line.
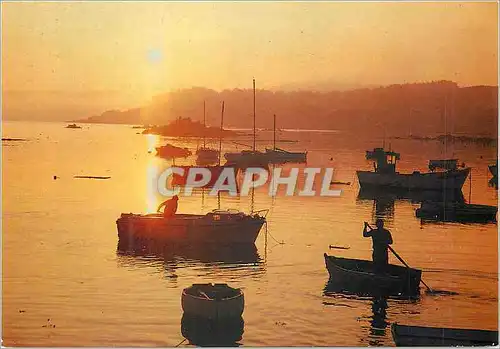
{"x":456,"y":212}
{"x":213,"y":301}
{"x":219,"y":228}
{"x":408,"y":336}
{"x":355,"y":274}
{"x":449,"y":180}
{"x":282,"y":156}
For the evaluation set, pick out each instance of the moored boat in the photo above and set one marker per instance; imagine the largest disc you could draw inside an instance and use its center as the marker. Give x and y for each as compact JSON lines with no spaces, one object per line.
{"x":456,"y":212}
{"x":169,"y":151}
{"x":207,"y":155}
{"x":360,"y":274}
{"x":213,"y":301}
{"x":435,"y":336}
{"x":216,"y":227}
{"x":385,"y":175}
{"x":278,"y":155}
{"x":215,"y":172}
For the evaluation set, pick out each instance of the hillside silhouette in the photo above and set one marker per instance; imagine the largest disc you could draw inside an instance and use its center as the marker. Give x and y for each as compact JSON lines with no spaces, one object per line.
{"x":416,"y":109}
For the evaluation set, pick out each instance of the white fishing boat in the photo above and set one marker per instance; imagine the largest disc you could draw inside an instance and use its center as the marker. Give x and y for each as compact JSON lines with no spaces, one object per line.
{"x":385,"y":175}
{"x":221,"y":227}
{"x":213,"y":301}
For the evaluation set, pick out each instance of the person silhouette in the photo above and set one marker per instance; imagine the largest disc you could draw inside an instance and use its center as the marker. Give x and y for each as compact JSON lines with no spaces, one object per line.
{"x":381,"y":238}
{"x":170,"y":207}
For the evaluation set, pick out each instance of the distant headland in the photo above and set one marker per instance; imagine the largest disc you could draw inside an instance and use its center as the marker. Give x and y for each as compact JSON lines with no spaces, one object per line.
{"x":427,"y":109}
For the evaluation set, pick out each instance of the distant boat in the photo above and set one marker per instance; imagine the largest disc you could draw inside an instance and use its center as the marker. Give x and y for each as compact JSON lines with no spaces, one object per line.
{"x":205,"y":154}
{"x":213,"y":301}
{"x":456,"y":212}
{"x":219,"y":227}
{"x":248,"y":158}
{"x":277,"y":155}
{"x":407,"y":336}
{"x":360,"y":275}
{"x":385,"y":175}
{"x":73,"y":126}
{"x":169,"y":151}
{"x":215,"y":172}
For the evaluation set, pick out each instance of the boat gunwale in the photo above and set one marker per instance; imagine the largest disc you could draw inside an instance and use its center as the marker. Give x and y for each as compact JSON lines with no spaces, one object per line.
{"x":372,"y":274}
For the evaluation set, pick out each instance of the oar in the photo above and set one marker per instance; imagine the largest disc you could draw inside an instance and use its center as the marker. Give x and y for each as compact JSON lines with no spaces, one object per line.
{"x":406,"y":264}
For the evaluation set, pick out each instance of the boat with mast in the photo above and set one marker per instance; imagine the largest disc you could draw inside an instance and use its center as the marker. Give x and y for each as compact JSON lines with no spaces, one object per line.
{"x":206,"y":155}
{"x":277,"y":155}
{"x":247,"y":158}
{"x":385,"y":175}
{"x":215,"y":170}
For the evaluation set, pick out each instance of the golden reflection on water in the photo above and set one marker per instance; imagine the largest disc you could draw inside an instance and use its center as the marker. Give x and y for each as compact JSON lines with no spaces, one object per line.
{"x":152,"y":172}
{"x":60,"y":257}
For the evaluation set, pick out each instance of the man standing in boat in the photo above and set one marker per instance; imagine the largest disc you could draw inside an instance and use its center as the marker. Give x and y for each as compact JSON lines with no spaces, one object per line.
{"x":381,"y":238}
{"x":170,"y":207}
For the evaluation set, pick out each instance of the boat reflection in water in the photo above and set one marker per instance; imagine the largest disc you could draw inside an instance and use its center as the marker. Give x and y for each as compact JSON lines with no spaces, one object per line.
{"x":212,"y":333}
{"x":415,"y":196}
{"x":378,"y":334}
{"x":241,"y":260}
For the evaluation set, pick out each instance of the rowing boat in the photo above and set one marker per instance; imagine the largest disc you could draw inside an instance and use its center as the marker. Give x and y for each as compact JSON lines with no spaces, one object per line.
{"x":435,"y":336}
{"x":360,"y":275}
{"x":213,"y":301}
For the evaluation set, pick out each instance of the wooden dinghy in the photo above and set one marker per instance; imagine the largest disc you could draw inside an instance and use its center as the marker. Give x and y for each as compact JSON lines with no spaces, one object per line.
{"x":434,"y":336}
{"x":360,"y":275}
{"x":213,"y":301}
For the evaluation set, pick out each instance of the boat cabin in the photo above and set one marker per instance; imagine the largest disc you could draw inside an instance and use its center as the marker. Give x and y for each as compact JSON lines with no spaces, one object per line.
{"x":384,"y":161}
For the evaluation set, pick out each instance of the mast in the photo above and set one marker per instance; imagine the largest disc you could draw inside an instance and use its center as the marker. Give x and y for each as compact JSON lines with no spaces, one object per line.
{"x":220,"y":135}
{"x":204,"y":125}
{"x":254,"y":115}
{"x":274,"y":136}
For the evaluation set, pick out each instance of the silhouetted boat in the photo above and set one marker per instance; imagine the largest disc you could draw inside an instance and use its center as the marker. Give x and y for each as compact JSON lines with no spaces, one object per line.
{"x":216,"y":227}
{"x":215,"y":172}
{"x":385,"y":175}
{"x":360,"y":274}
{"x":205,"y":154}
{"x":213,"y":301}
{"x":435,"y":336}
{"x":493,"y":170}
{"x":248,"y":158}
{"x":277,"y":155}
{"x":212,"y":333}
{"x":73,"y":126}
{"x":169,"y":151}
{"x":456,"y":212}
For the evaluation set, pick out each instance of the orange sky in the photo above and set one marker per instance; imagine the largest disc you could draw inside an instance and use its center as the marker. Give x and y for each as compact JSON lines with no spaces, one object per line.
{"x":130,"y":51}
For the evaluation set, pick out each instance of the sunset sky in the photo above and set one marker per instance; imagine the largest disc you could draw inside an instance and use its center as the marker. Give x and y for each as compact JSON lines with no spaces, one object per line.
{"x":119,"y":54}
